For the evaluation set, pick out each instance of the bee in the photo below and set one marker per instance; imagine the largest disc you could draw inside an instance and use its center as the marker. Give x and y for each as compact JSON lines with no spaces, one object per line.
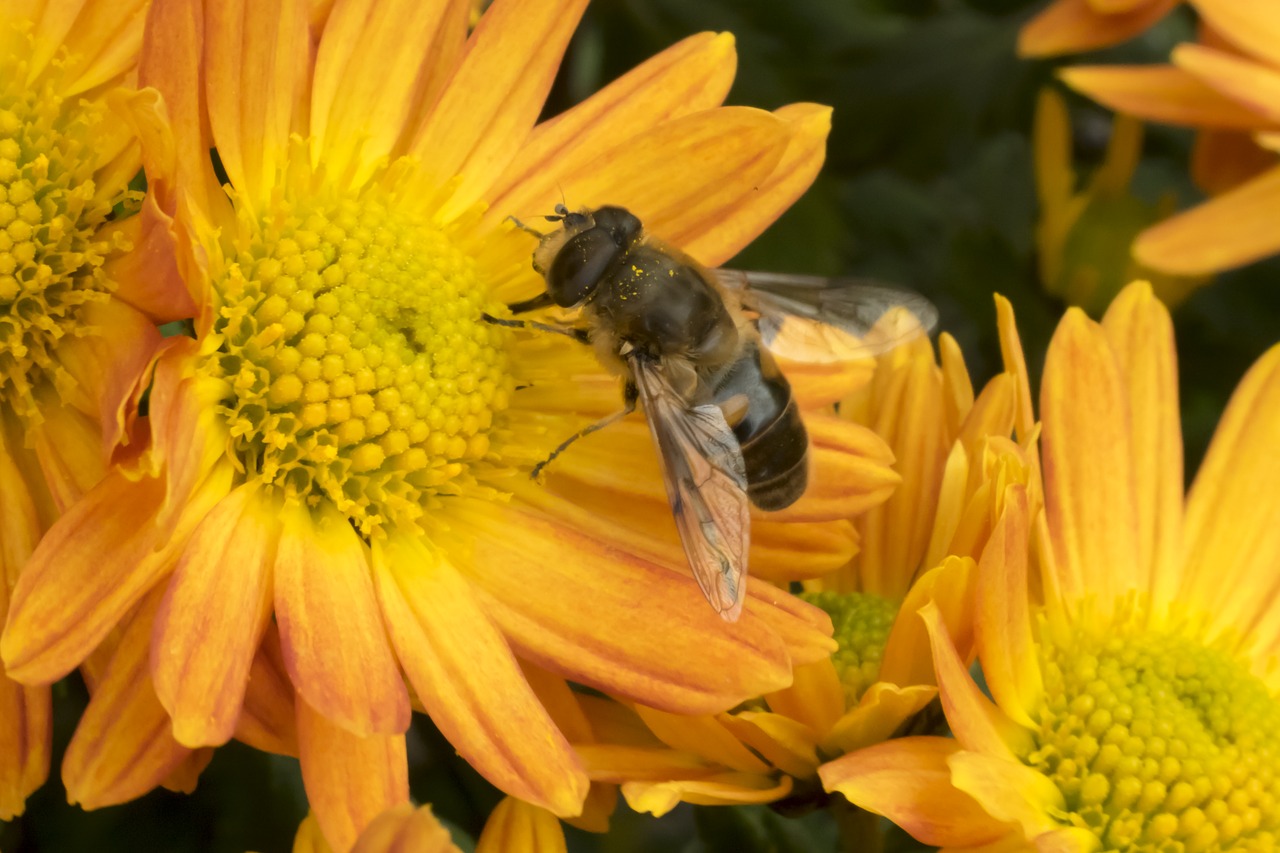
{"x":695,"y":349}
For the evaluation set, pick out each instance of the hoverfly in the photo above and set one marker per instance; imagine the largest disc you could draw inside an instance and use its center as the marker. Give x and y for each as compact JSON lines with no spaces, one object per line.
{"x":694,"y":348}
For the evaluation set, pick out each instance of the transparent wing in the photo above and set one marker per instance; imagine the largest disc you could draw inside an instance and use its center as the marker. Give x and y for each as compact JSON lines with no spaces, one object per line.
{"x":815,"y":319}
{"x":706,"y":484}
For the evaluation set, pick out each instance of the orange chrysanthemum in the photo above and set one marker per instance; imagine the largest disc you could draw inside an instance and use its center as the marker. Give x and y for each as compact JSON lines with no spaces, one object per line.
{"x":82,"y":280}
{"x":1229,"y":87}
{"x":334,"y":498}
{"x":1129,"y":642}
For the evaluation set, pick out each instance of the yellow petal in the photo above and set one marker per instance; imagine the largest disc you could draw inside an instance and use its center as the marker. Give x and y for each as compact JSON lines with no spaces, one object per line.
{"x":332,"y":633}
{"x":1226,"y":232}
{"x":787,"y":744}
{"x":1255,"y":28}
{"x":404,"y":828}
{"x":468,"y":680}
{"x":1015,"y":364}
{"x":706,"y":736}
{"x":906,"y":652}
{"x":213,"y":615}
{"x":350,"y":780}
{"x":256,"y":55}
{"x":68,"y":446}
{"x":518,"y":827}
{"x":814,"y":698}
{"x":101,"y":40}
{"x":1009,"y":790}
{"x":1141,"y":335}
{"x":1006,"y":644}
{"x":1252,"y":84}
{"x":696,"y":664}
{"x":1233,"y":542}
{"x":147,"y":276}
{"x":1077,"y":26}
{"x":1089,"y":474}
{"x":908,"y":781}
{"x":492,"y":101}
{"x":692,"y":75}
{"x":622,"y":763}
{"x":25,"y":737}
{"x":123,"y":746}
{"x":727,"y":789}
{"x":883,"y":710}
{"x":1161,"y":93}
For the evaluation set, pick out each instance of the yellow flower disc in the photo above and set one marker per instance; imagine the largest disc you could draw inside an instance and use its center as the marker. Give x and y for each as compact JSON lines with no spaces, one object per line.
{"x":862,"y":623}
{"x":1159,"y":743}
{"x":357,"y":366}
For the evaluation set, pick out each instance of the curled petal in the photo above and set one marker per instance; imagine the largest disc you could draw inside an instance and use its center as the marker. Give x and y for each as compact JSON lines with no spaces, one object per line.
{"x":519,"y":827}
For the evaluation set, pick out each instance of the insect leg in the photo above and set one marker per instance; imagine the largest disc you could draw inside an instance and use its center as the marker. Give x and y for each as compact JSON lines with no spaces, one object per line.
{"x":579,"y":335}
{"x":525,"y":228}
{"x":630,"y":394}
{"x":542,"y":300}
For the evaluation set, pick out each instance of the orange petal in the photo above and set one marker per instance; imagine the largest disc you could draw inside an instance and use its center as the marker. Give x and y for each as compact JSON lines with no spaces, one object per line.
{"x":350,"y":780}
{"x":68,"y":446}
{"x":787,"y":744}
{"x":1255,"y":28}
{"x":950,"y":585}
{"x":21,"y":525}
{"x":1006,"y":645}
{"x":26,"y":736}
{"x":404,"y":828}
{"x":255,"y":58}
{"x":1161,"y":93}
{"x":908,"y":781}
{"x":147,"y":276}
{"x":213,"y":615}
{"x":1015,"y":364}
{"x":1226,"y":232}
{"x":612,"y":763}
{"x":1222,"y":160}
{"x":123,"y":746}
{"x":1233,"y":542}
{"x":1077,"y":26}
{"x":101,"y":40}
{"x":884,"y":709}
{"x":1140,"y":331}
{"x":977,"y":723}
{"x":468,"y":680}
{"x":695,"y":664}
{"x":692,"y":75}
{"x":1009,"y":790}
{"x":1252,"y":84}
{"x":815,"y":696}
{"x":492,"y":101}
{"x":518,"y":827}
{"x":726,"y":789}
{"x":704,"y":735}
{"x":331,"y":631}
{"x":957,"y":387}
{"x":267,"y":718}
{"x":718,"y":238}
{"x":1089,"y":474}
{"x":91,"y":567}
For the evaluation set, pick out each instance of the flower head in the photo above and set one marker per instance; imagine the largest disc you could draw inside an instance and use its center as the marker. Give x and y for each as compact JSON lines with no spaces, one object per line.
{"x":1127,"y":639}
{"x":333,"y":499}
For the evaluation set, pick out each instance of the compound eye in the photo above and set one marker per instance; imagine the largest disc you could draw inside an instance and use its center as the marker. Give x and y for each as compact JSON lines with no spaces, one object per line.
{"x":580,"y":265}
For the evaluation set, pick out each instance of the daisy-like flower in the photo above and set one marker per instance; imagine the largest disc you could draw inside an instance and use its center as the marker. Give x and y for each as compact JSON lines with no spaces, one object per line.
{"x":1128,"y":640}
{"x":336,"y":481}
{"x":83,"y":277}
{"x":955,"y":457}
{"x":1227,"y":85}
{"x":1076,"y":26}
{"x":1084,"y":233}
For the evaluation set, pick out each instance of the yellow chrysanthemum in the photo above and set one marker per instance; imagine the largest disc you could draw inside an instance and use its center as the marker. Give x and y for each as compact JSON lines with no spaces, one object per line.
{"x":954,"y":457}
{"x":1136,"y":693}
{"x":83,"y":278}
{"x":1084,"y":233}
{"x":1076,"y":26}
{"x":1228,"y":86}
{"x":334,"y":498}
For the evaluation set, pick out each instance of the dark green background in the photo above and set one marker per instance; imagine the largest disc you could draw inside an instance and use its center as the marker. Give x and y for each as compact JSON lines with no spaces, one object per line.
{"x":928,"y":183}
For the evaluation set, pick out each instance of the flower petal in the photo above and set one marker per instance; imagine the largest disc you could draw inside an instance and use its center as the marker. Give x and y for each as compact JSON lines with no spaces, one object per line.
{"x":404,"y":828}
{"x":123,"y":746}
{"x":1009,"y":790}
{"x":1233,"y":542}
{"x":787,"y":744}
{"x":703,"y":735}
{"x":255,"y":56}
{"x":692,"y":75}
{"x":1222,"y":160}
{"x":1005,"y":642}
{"x":469,"y":681}
{"x":1141,"y":335}
{"x":1161,"y":93}
{"x":716,"y":239}
{"x":1226,"y":232}
{"x":1089,"y":473}
{"x":147,"y":276}
{"x":950,"y":585}
{"x":1076,"y":26}
{"x":350,"y":780}
{"x":726,"y":789}
{"x":518,"y":827}
{"x":267,"y":718}
{"x":492,"y":101}
{"x":815,"y":696}
{"x":1252,"y":84}
{"x":331,"y":631}
{"x":695,"y":664}
{"x":1253,"y":28}
{"x":908,"y":781}
{"x":214,"y":613}
{"x":101,"y":40}
{"x":26,"y":738}
{"x":883,"y":710}
{"x":68,"y":446}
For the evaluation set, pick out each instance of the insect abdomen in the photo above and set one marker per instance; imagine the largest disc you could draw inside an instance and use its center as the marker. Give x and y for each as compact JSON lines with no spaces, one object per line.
{"x":771,"y":434}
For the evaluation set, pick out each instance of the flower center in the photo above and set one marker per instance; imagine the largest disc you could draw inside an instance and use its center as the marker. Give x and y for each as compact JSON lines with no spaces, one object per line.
{"x":862,"y":622}
{"x":358,"y":367}
{"x":51,"y":254}
{"x":1158,"y":742}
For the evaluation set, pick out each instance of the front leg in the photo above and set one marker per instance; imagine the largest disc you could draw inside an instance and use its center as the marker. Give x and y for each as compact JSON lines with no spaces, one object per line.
{"x":579,"y":335}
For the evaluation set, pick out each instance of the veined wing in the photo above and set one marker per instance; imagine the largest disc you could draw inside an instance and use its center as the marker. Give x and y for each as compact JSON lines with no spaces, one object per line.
{"x":706,"y":484}
{"x":815,"y":319}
